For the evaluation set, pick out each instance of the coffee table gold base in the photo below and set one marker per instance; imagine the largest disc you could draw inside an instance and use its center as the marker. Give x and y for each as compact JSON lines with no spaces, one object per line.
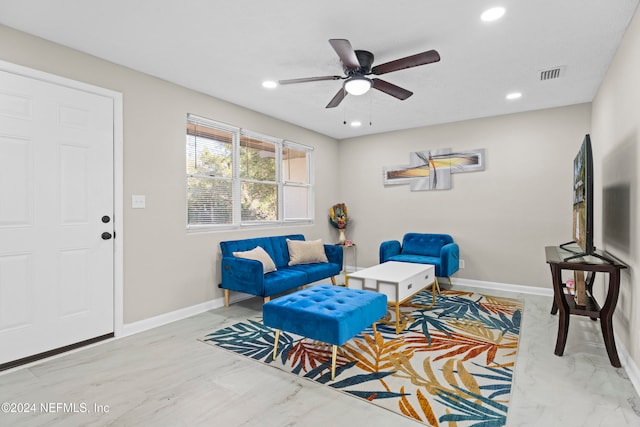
{"x":402,"y":320}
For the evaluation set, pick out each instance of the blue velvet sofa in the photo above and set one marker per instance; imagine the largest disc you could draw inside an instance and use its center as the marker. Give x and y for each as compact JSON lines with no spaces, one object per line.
{"x":247,"y":275}
{"x":422,"y":248}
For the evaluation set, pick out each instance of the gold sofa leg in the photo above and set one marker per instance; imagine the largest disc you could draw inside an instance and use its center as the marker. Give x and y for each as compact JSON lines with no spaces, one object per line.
{"x":267,"y":299}
{"x":333,"y":280}
{"x":226,"y":297}
{"x":450,"y":280}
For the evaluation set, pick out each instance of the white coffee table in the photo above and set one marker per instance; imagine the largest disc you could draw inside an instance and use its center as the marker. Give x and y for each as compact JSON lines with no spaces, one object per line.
{"x":399,"y":281}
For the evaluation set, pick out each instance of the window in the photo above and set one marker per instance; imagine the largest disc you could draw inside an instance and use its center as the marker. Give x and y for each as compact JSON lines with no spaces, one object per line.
{"x":236,"y":177}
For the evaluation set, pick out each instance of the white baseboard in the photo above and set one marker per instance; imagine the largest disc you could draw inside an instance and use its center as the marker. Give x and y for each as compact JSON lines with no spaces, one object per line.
{"x":628,"y":364}
{"x":173,"y":316}
{"x":507,"y":287}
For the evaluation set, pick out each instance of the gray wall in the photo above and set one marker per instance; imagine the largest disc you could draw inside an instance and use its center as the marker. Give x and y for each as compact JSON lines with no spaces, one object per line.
{"x":616,"y":135}
{"x":501,"y":217}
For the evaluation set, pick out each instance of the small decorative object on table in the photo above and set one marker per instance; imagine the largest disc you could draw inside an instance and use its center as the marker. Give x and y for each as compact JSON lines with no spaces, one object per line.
{"x":339,"y":218}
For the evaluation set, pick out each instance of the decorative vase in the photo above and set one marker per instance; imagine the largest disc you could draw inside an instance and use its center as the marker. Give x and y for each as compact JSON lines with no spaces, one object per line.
{"x":341,"y":237}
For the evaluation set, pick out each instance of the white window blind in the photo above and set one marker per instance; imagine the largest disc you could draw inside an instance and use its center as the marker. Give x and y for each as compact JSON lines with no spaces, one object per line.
{"x":236,"y":177}
{"x":209,"y":172}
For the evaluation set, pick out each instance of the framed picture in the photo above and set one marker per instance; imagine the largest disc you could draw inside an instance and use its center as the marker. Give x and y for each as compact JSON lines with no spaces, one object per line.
{"x":432,"y":169}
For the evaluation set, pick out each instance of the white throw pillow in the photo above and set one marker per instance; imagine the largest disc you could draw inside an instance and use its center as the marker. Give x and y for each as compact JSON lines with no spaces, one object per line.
{"x":306,"y":251}
{"x":258,"y":254}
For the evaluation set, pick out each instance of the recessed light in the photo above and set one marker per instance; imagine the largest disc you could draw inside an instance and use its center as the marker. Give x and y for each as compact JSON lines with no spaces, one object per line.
{"x":492,"y":14}
{"x":269,"y":84}
{"x":356,"y":124}
{"x":514,"y":95}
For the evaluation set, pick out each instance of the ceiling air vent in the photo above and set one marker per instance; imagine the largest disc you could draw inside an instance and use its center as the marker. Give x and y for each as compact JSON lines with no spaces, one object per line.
{"x":551,"y":73}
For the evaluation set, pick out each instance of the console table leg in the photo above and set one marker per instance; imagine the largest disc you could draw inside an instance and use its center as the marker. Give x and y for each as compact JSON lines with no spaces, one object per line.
{"x":563,"y":329}
{"x":554,"y":306}
{"x":606,"y":317}
{"x":609,"y":341}
{"x":561,"y":305}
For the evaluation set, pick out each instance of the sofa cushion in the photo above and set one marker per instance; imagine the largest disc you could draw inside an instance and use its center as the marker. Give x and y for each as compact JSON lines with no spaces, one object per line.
{"x":317,"y":271}
{"x":283,"y":280}
{"x":306,"y":252}
{"x":258,"y":254}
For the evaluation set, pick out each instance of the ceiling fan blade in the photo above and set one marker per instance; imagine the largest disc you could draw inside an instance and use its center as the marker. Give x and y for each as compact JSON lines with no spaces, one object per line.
{"x":346,"y":53}
{"x":337,"y":99}
{"x":391,"y":89}
{"x":410,"y":61}
{"x":308,"y":79}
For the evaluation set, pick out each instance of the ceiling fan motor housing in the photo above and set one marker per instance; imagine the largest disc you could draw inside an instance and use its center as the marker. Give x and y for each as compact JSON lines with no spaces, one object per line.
{"x":365,"y":58}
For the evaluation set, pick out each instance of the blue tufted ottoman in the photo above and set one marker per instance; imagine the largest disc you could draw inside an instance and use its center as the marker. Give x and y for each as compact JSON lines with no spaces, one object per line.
{"x":326,"y":313}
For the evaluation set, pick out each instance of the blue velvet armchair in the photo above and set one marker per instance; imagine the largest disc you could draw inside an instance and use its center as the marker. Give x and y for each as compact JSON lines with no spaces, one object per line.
{"x":437,"y":249}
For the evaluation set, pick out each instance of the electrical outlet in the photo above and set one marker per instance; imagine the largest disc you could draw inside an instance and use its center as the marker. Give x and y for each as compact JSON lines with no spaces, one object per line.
{"x":461,"y":263}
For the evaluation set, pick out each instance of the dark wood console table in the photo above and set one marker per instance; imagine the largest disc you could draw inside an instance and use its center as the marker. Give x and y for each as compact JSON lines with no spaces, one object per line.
{"x":566,"y":303}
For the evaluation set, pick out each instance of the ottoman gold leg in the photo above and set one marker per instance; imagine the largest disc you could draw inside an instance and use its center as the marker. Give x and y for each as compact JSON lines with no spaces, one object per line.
{"x":275,"y":344}
{"x":334,"y":353}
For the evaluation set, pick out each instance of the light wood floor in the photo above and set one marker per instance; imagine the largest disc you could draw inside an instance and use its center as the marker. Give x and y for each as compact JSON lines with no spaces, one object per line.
{"x":165,"y":377}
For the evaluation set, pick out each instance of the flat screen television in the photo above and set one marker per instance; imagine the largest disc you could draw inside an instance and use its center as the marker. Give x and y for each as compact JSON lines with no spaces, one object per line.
{"x":583,"y":197}
{"x":583,"y":203}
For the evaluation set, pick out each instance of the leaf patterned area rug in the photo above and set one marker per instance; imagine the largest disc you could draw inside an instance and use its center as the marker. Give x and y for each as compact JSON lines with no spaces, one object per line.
{"x":453,"y":365}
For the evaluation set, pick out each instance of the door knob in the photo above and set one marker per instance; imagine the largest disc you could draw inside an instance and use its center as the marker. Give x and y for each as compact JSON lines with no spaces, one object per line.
{"x":106,"y":219}
{"x":106,"y":236}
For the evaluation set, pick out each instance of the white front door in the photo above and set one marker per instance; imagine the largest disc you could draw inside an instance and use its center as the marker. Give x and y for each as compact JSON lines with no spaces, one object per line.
{"x":56,"y":201}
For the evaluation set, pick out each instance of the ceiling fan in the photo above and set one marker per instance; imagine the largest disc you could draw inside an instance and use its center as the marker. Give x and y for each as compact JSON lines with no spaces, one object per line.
{"x":357,"y":64}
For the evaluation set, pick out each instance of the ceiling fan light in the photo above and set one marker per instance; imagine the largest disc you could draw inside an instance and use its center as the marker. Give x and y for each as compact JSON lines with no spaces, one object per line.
{"x":357,"y":85}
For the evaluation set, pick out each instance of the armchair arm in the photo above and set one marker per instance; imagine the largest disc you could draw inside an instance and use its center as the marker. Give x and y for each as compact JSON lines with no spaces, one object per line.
{"x":449,"y":259}
{"x":243,"y":275}
{"x":388,"y":249}
{"x":334,"y":254}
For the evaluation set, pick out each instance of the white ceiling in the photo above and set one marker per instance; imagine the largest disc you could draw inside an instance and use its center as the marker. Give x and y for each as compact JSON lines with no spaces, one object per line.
{"x":227,"y":48}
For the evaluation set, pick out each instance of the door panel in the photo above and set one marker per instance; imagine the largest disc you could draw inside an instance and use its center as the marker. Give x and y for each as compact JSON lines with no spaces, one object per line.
{"x":56,"y":183}
{"x":16,"y":291}
{"x":15,"y":161}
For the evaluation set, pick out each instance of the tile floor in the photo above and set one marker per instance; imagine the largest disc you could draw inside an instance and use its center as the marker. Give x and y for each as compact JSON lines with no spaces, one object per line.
{"x":165,"y":377}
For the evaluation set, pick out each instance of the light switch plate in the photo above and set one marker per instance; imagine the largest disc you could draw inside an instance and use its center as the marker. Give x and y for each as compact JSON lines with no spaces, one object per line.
{"x":138,"y":201}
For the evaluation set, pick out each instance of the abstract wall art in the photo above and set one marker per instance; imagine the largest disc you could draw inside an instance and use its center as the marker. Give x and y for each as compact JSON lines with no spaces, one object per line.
{"x":432,"y":169}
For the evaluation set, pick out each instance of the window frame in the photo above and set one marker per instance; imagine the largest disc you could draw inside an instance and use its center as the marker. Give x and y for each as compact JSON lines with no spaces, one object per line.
{"x":237,"y":181}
